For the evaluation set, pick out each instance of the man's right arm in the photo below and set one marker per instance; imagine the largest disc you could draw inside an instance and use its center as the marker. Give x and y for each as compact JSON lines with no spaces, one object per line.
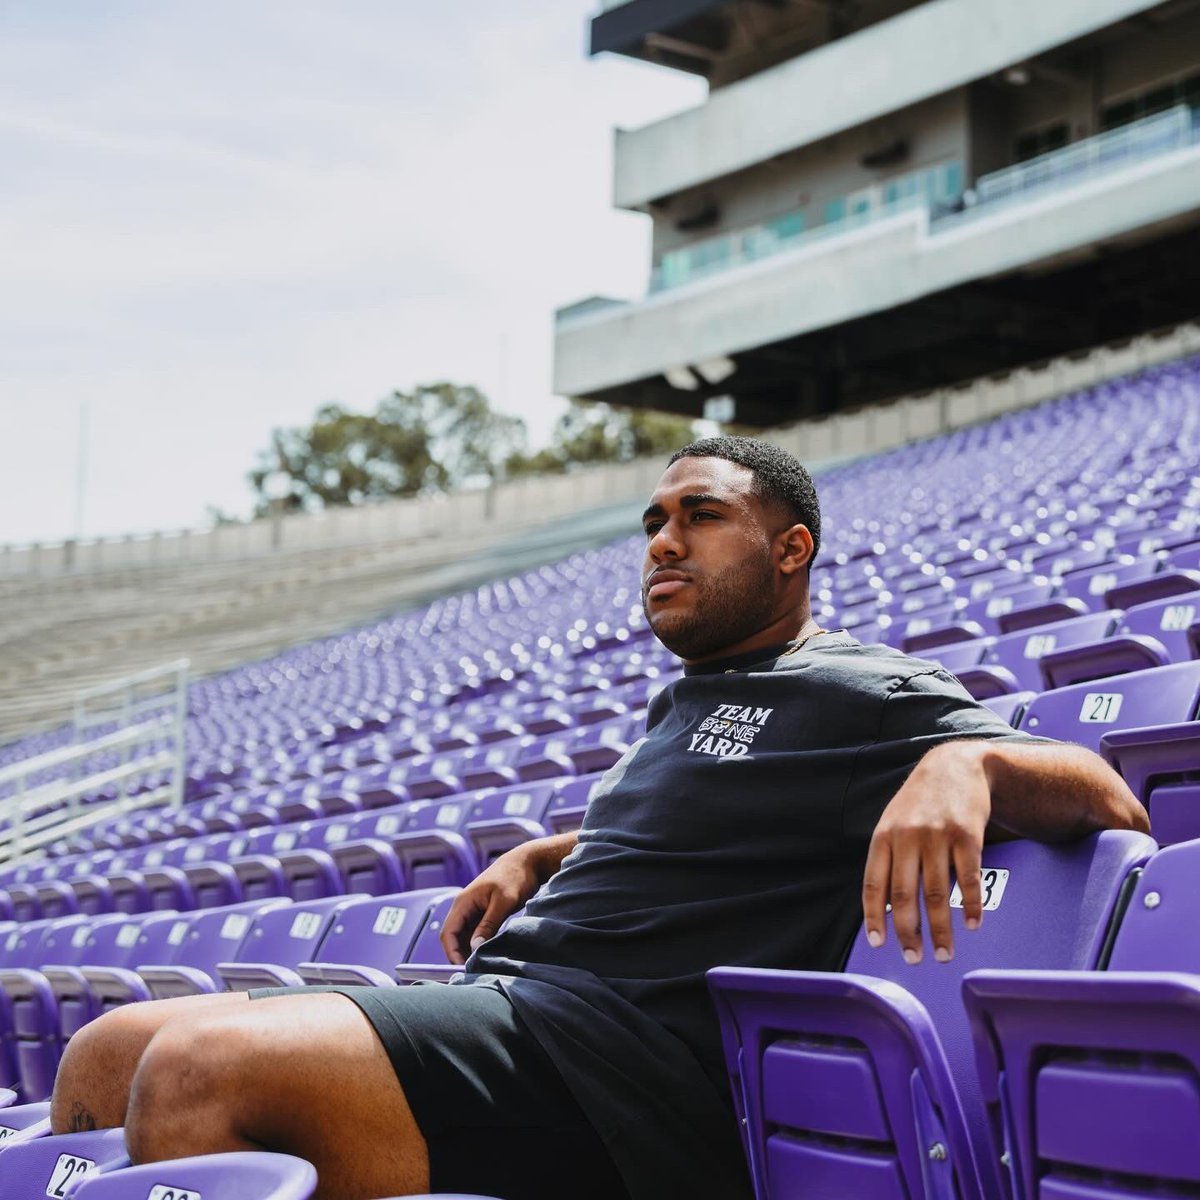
{"x":494,"y":895}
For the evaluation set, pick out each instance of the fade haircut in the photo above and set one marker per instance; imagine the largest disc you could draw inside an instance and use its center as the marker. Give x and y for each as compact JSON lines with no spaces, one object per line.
{"x":779,"y":477}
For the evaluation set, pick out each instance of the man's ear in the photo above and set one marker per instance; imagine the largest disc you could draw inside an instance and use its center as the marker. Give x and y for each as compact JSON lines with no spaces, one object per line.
{"x":796,"y":549}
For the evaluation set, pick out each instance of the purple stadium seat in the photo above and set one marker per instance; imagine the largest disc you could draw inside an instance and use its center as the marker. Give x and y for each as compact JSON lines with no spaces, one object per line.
{"x":957,"y":657}
{"x":278,"y":941}
{"x":372,"y":934}
{"x":1011,"y":706}
{"x":1092,"y":584}
{"x":847,"y":1084}
{"x":569,"y":803}
{"x":1173,"y":582}
{"x":1012,"y":662}
{"x":1085,"y":711}
{"x":498,"y":821}
{"x":211,"y":936}
{"x":419,"y":847}
{"x":7,"y":1098}
{"x":1161,"y":765}
{"x":55,"y":1166}
{"x":22,"y":1123}
{"x":247,"y":1175}
{"x":1168,"y":621}
{"x":1094,"y":1077}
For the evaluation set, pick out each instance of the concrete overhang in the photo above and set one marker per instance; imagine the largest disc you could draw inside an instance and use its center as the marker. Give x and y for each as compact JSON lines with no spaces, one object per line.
{"x":924,"y":52}
{"x":869,"y":270}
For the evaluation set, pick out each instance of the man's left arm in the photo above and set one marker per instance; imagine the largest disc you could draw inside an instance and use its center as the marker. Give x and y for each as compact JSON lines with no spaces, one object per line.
{"x":962,"y":793}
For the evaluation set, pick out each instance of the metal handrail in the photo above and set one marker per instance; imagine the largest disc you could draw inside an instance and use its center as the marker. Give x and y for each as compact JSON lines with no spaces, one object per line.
{"x":64,"y":756}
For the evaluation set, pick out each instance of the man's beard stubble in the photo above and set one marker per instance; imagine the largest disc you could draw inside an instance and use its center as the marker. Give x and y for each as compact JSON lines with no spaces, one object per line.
{"x":726,"y":608}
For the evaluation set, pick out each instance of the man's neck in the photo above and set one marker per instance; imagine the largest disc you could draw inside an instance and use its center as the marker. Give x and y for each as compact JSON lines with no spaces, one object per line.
{"x":786,"y":631}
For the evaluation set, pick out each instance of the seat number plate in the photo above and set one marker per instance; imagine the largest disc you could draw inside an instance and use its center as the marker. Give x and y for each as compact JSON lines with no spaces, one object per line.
{"x":6,"y":1132}
{"x":161,"y":1191}
{"x":1100,"y":708}
{"x":69,"y":1168}
{"x":305,"y":925}
{"x":992,"y":882}
{"x":390,"y":920}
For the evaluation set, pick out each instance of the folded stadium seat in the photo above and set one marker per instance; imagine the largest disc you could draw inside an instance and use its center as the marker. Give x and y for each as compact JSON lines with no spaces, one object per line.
{"x":419,"y":847}
{"x":29,"y":1023}
{"x":431,"y":777}
{"x":213,"y":884}
{"x":863,"y":1084}
{"x":489,"y":766}
{"x":1091,"y":584}
{"x":245,"y":1175}
{"x":426,"y":960}
{"x":1161,"y":765}
{"x":540,"y":718}
{"x":1094,"y":1076}
{"x":56,"y":1166}
{"x":279,"y":940}
{"x":1084,"y":712}
{"x":496,"y":822}
{"x":1171,"y":582}
{"x":23,"y":902}
{"x":598,"y":747}
{"x":209,"y":937}
{"x":1011,"y":706}
{"x":1168,"y":621}
{"x":109,"y":944}
{"x":1187,"y":556}
{"x":544,"y":758}
{"x":1013,"y":662}
{"x":1117,"y":654}
{"x":22,"y":1123}
{"x":569,"y":803}
{"x":57,"y":898}
{"x":942,"y":628}
{"x":957,"y":657}
{"x":371,"y":935}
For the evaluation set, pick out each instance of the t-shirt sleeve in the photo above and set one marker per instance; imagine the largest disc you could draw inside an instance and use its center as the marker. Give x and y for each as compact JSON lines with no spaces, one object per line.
{"x":921,"y":712}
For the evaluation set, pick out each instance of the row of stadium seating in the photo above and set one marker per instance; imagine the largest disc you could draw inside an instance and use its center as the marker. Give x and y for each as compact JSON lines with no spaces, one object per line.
{"x":349,"y":780}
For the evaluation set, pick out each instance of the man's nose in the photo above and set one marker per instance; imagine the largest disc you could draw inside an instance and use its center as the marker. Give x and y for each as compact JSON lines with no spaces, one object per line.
{"x":666,"y":542}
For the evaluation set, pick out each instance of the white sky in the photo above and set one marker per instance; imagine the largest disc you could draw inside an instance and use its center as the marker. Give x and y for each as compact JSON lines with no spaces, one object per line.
{"x":217,"y":215}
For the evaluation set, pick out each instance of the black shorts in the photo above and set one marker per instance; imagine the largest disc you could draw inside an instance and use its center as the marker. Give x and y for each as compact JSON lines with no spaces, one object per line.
{"x":494,"y":1110}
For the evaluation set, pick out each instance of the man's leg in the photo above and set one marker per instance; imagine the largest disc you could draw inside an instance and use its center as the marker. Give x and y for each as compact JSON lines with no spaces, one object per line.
{"x":91,"y":1090}
{"x":301,"y":1074}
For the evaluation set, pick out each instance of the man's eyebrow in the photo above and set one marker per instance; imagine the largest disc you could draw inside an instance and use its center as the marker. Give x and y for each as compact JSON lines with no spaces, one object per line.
{"x":693,"y":500}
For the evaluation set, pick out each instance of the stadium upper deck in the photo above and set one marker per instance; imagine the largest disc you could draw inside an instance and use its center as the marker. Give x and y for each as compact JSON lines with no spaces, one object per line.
{"x":886,"y":196}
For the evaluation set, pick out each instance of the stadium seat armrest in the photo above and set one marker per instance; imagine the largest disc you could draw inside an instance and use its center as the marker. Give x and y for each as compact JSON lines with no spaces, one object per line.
{"x":347,"y":974}
{"x":31,"y":987}
{"x":988,"y":682}
{"x":241,"y":977}
{"x":167,"y":982}
{"x":115,"y":985}
{"x":429,"y":972}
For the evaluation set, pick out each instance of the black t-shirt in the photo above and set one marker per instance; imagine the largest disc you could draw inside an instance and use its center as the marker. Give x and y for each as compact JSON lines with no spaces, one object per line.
{"x":734,"y":833}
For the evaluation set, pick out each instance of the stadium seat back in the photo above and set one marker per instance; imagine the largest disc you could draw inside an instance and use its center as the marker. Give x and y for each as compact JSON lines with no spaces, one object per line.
{"x":1084,"y":712}
{"x":882,"y":1055}
{"x":247,"y":1175}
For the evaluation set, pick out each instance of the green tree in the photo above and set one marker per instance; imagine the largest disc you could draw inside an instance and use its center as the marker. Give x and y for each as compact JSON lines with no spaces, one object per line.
{"x":435,"y":437}
{"x":598,"y":433}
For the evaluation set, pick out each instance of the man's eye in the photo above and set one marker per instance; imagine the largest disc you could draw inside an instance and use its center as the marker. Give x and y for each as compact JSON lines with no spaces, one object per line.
{"x":696,"y":516}
{"x":653,"y":528}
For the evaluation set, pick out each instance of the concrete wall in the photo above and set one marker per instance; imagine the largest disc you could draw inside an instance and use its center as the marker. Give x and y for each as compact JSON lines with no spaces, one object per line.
{"x":927,"y":51}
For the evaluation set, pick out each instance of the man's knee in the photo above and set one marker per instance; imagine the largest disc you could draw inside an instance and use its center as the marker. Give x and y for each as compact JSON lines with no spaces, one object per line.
{"x":92,"y":1084}
{"x":186,"y":1086}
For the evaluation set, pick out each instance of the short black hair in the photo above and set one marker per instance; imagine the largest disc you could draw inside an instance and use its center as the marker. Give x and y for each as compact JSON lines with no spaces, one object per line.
{"x":779,"y":477}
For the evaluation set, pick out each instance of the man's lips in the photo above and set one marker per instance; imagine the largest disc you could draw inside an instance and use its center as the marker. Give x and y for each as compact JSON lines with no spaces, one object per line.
{"x":662,"y":584}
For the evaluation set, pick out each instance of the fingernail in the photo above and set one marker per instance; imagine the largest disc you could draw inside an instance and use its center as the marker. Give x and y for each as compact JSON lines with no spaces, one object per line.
{"x":874,"y":938}
{"x":477,"y":942}
{"x":942,"y":954}
{"x":972,"y":922}
{"x":912,"y":957}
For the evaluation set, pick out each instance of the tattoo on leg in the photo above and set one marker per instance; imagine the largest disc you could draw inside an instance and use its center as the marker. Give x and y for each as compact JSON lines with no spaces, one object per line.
{"x":80,"y":1120}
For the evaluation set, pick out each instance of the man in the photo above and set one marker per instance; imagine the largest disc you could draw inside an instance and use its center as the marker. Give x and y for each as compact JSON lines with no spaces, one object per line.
{"x":789,"y":786}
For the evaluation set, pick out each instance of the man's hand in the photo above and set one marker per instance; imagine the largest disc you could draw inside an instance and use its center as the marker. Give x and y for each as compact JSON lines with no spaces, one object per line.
{"x":935,"y":821}
{"x":494,"y":895}
{"x":939,"y":818}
